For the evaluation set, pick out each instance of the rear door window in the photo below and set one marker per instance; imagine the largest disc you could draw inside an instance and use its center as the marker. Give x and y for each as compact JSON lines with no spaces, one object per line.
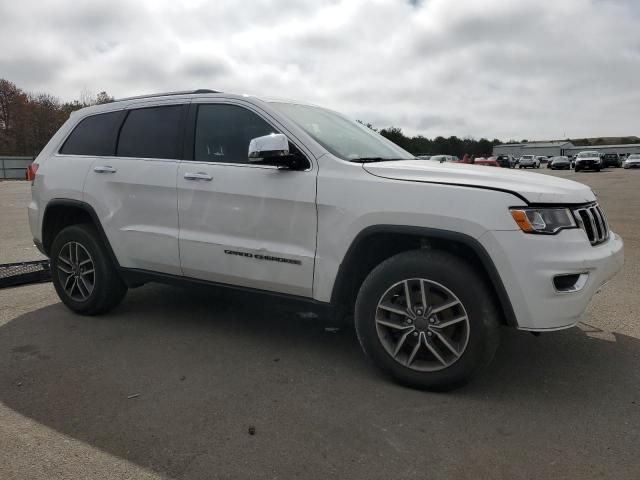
{"x":153,"y":132}
{"x":95,"y":135}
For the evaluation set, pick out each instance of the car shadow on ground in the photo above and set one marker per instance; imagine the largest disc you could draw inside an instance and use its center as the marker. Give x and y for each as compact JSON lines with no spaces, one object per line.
{"x":173,"y":380}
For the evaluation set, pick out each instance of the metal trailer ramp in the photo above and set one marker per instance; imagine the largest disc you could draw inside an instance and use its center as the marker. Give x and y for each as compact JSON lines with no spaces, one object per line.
{"x":23,"y":273}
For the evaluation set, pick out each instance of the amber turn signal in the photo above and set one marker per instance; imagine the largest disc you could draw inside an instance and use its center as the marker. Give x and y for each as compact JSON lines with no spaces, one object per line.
{"x":521,"y":219}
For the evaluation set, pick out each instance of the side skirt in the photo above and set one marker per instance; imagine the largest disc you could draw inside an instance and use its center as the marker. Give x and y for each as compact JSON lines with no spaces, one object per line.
{"x":134,"y":277}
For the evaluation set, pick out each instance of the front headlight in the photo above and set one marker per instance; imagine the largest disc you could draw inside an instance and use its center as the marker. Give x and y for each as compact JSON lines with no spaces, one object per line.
{"x":543,"y":220}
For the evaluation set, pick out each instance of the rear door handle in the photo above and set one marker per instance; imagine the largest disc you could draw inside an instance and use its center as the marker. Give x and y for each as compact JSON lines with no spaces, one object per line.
{"x":198,"y":176}
{"x":104,"y":169}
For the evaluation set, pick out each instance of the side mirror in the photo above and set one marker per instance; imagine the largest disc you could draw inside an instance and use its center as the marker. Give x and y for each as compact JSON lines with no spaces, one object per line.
{"x":268,"y":147}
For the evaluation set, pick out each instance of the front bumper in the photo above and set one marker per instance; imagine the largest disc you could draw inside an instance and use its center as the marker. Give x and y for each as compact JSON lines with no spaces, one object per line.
{"x":632,"y":165}
{"x":528,"y":263}
{"x":589,"y":164}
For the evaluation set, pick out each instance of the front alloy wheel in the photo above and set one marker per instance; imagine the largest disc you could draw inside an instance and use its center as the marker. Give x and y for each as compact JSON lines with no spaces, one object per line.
{"x":427,"y":319}
{"x":422,"y":324}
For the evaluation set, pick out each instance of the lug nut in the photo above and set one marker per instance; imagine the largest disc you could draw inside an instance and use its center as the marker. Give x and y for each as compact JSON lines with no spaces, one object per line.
{"x":415,"y":334}
{"x":432,"y":320}
{"x":430,"y":334}
{"x":409,"y":321}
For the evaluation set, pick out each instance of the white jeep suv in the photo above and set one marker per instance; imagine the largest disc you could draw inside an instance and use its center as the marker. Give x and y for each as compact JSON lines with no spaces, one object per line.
{"x":296,"y":200}
{"x":588,"y":159}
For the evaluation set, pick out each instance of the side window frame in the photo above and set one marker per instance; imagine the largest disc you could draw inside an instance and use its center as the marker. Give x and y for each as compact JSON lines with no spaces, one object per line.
{"x":190,"y":137}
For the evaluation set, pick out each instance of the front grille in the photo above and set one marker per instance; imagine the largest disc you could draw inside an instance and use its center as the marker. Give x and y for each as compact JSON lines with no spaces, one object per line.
{"x":592,"y":220}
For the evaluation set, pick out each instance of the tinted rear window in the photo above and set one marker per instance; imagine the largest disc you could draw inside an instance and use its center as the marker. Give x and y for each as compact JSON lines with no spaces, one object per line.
{"x":153,"y":132}
{"x":94,"y":135}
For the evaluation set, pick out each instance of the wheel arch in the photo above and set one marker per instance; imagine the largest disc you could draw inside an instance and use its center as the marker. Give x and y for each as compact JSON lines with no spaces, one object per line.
{"x":63,"y":212}
{"x":376,"y":243}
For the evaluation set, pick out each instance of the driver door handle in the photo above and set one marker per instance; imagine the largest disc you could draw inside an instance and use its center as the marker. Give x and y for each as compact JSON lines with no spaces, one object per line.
{"x":198,"y":176}
{"x":104,"y":169}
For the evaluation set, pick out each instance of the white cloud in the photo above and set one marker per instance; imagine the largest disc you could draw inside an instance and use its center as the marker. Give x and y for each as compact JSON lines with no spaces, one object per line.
{"x":495,"y":68}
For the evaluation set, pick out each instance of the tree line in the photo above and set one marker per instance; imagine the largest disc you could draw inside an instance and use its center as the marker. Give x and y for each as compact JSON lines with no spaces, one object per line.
{"x":440,"y":145}
{"x":28,"y":120}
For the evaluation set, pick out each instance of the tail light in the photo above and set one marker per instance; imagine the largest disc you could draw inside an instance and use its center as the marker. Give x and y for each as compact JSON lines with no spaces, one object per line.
{"x":31,"y":172}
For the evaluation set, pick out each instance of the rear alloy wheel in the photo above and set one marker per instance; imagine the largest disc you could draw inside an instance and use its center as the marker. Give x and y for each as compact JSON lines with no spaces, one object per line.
{"x":85,"y":278}
{"x":76,"y":271}
{"x":427,"y":320}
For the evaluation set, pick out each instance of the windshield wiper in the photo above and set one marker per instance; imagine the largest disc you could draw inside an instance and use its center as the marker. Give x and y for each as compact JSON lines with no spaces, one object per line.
{"x":375,"y":159}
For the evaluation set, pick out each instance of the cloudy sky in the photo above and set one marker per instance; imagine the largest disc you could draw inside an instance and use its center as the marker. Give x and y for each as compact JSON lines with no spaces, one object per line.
{"x":535,"y":69}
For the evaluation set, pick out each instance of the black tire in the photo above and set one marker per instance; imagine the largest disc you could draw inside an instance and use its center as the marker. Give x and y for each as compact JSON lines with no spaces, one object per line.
{"x":520,"y":166}
{"x":461,"y":280}
{"x":577,"y":169}
{"x":108,"y":288}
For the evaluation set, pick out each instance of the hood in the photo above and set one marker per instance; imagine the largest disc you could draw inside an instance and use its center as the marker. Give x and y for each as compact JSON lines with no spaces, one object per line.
{"x":595,"y":157}
{"x":534,"y":187}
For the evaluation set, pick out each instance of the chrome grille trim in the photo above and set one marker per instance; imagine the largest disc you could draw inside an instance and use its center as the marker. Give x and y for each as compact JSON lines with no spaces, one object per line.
{"x":591,"y":219}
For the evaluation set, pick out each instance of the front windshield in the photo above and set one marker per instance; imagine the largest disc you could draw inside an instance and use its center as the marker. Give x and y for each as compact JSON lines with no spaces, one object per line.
{"x":635,"y":156}
{"x":559,"y":159}
{"x":587,"y":154}
{"x":344,"y":138}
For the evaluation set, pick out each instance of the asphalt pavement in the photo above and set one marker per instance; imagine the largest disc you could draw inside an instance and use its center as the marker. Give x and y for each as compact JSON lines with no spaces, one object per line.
{"x":201,"y":384}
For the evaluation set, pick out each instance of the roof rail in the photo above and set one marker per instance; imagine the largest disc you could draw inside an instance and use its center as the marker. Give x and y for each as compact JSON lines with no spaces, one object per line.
{"x":166,"y":94}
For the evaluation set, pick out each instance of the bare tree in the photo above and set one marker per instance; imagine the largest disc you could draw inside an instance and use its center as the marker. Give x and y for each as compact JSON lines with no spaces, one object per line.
{"x":10,"y":99}
{"x":104,"y":97}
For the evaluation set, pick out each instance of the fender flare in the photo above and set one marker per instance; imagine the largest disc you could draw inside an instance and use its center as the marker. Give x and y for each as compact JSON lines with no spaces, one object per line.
{"x":66,"y":202}
{"x":425,"y":232}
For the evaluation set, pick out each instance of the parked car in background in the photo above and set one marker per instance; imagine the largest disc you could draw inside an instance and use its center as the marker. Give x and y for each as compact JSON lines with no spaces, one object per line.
{"x":559,"y":163}
{"x":529,"y":161}
{"x":611,"y":160}
{"x":632,"y":161}
{"x":444,"y":158}
{"x":488,"y":162}
{"x":588,"y":160}
{"x":504,"y":161}
{"x":542,"y":159}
